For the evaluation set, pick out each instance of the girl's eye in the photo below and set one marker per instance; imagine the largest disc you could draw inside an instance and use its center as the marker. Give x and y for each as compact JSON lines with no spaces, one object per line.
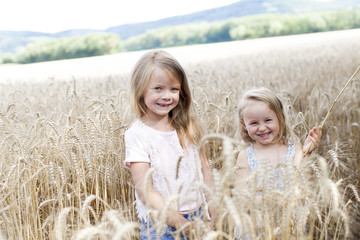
{"x":157,"y":88}
{"x":268,"y":120}
{"x":175,"y":89}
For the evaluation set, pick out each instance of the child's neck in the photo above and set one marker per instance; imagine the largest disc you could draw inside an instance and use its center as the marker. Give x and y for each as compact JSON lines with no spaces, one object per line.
{"x":160,"y":124}
{"x":275,"y":152}
{"x":275,"y":145}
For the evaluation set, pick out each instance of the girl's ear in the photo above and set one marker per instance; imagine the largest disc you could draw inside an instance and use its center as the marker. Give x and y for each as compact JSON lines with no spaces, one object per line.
{"x":243,"y":123}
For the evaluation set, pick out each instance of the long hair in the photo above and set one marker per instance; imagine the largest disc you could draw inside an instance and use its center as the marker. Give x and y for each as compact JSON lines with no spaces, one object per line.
{"x":182,"y":117}
{"x":273,"y":102}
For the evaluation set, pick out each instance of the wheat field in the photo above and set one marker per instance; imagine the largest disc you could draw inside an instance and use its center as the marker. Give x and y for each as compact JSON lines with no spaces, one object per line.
{"x":61,"y":165}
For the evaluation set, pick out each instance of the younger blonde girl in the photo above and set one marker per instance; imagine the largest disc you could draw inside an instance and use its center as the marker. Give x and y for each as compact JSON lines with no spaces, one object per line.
{"x":263,"y":126}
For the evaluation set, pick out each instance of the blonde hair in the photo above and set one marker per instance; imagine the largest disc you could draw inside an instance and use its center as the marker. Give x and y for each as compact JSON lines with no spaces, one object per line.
{"x":273,"y":102}
{"x":182,"y":117}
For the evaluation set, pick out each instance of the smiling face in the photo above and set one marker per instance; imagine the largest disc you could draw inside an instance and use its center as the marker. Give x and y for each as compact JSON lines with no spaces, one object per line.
{"x":161,"y":95}
{"x":261,"y":123}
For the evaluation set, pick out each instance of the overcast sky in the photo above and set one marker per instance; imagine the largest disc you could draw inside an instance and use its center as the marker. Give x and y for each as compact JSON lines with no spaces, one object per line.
{"x":57,"y":15}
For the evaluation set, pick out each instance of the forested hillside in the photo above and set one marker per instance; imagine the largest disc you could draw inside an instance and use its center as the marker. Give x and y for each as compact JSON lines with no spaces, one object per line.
{"x":236,"y":10}
{"x":245,"y":19}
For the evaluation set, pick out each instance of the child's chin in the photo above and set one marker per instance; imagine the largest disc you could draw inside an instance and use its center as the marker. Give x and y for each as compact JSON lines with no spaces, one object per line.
{"x":267,"y":141}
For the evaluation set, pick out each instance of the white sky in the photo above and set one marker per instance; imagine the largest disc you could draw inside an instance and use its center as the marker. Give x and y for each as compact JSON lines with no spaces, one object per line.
{"x":57,"y":15}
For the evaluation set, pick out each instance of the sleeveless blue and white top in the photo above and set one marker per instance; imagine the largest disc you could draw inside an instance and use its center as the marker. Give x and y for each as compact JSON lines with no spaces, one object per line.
{"x":253,"y":163}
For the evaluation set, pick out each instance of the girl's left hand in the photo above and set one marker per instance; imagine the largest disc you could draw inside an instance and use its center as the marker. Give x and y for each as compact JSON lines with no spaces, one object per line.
{"x":313,"y":139}
{"x":213,"y":216}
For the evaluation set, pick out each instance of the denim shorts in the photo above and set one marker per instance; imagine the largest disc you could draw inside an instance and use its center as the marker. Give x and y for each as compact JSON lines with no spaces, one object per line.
{"x":148,"y":232}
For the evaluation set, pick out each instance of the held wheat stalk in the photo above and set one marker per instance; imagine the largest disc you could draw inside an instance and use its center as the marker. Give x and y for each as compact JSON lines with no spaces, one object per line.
{"x":338,"y":96}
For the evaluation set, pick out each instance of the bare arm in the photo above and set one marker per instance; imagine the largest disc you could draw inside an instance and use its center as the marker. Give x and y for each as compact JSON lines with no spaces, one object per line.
{"x":206,"y":171}
{"x":155,"y":200}
{"x":311,"y":143}
{"x":241,"y":180}
{"x":299,"y":154}
{"x":242,"y":172}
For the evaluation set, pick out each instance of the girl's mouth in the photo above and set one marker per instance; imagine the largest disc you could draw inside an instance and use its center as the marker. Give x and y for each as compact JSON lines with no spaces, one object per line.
{"x":164,"y":105}
{"x":264,"y":134}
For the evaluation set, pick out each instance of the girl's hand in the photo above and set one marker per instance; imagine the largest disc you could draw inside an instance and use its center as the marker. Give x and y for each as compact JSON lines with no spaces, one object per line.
{"x":211,"y":225}
{"x":192,"y":229}
{"x":313,"y":139}
{"x":213,"y":215}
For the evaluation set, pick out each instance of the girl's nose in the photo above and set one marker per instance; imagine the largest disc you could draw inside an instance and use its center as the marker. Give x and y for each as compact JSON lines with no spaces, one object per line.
{"x":166,"y":95}
{"x":262,"y":127}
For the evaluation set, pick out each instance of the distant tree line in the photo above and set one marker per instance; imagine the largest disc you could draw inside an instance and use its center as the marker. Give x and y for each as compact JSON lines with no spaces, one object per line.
{"x":249,"y":27}
{"x":67,"y":48}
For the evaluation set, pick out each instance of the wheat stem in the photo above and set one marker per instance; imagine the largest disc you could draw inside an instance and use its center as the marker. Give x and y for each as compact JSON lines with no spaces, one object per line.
{"x":338,"y":96}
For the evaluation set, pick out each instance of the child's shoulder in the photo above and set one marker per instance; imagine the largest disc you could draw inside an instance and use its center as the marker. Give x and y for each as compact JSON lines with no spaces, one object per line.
{"x":138,"y":135}
{"x":136,"y":125}
{"x":242,"y":158}
{"x":136,"y":128}
{"x":298,"y":154}
{"x":297,"y":146}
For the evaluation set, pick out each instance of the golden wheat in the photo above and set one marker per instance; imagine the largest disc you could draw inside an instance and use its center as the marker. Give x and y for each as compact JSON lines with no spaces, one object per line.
{"x":62,"y":174}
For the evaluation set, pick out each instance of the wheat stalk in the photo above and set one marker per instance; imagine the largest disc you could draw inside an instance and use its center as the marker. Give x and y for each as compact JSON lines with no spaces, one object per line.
{"x":333,"y":104}
{"x":338,"y":96}
{"x":89,"y":233}
{"x":60,"y":225}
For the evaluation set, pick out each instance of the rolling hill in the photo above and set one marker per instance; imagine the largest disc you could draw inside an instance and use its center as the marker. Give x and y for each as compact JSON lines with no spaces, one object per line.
{"x":119,"y":64}
{"x":11,"y":41}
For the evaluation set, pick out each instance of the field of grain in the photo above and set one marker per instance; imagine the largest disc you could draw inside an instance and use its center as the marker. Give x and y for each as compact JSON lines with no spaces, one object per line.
{"x":61,"y":138}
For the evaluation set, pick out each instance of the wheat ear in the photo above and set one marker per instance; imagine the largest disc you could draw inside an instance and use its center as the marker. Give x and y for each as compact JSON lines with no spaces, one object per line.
{"x":338,"y":96}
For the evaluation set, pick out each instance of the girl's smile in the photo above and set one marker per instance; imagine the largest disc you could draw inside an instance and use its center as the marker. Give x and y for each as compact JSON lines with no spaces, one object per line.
{"x":261,"y":123}
{"x":265,"y":135}
{"x":164,"y":105}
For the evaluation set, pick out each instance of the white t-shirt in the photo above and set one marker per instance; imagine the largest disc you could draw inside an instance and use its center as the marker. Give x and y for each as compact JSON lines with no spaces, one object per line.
{"x":162,"y":151}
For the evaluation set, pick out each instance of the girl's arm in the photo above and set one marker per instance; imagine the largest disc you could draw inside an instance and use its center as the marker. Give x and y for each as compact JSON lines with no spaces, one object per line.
{"x":299,"y":154}
{"x":241,"y":180}
{"x":206,"y":171}
{"x":242,"y":172}
{"x":155,"y":200}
